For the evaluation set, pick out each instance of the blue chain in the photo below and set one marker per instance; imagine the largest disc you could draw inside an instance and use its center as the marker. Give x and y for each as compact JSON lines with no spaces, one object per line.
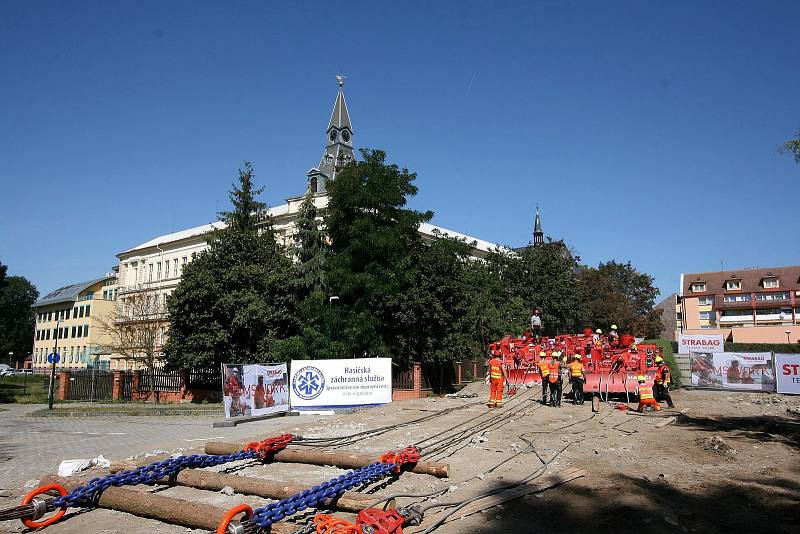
{"x":147,"y":474}
{"x":314,"y":496}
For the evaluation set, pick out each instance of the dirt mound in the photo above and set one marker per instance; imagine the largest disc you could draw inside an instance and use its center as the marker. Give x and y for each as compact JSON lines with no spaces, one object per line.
{"x":716,"y":445}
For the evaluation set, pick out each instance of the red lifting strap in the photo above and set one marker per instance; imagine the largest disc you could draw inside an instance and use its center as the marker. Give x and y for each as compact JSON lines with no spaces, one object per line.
{"x":269,"y":446}
{"x":409,"y":455}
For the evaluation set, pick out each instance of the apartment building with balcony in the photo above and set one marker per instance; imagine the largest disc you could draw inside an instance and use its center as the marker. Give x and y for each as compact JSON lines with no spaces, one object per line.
{"x":746,"y":306}
{"x":70,"y":315}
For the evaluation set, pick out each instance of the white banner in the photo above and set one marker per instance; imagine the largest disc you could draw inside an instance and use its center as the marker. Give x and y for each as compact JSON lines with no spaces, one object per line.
{"x":787,"y":371}
{"x":733,"y":370}
{"x":254,"y":389}
{"x":688,"y":343}
{"x":328,"y":383}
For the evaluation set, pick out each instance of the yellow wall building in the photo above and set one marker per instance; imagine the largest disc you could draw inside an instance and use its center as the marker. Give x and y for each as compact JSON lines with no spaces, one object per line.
{"x":70,"y":315}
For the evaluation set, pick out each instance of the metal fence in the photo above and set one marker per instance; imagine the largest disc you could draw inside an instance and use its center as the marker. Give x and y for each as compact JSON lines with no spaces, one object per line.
{"x":90,"y":385}
{"x":205,"y":379}
{"x":162,"y":381}
{"x":402,"y":379}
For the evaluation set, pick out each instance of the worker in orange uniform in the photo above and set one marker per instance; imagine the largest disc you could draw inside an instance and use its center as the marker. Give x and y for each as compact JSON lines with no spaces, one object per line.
{"x":646,"y":397}
{"x":555,"y":381}
{"x":577,"y":378}
{"x":497,"y":379}
{"x":544,"y":371}
{"x":662,"y":381}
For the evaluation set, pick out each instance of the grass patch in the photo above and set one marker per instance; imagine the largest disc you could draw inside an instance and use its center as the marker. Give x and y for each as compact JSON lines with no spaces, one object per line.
{"x":31,"y":389}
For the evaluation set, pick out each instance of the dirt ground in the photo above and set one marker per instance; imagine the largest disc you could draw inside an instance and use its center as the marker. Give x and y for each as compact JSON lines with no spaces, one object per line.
{"x":729,"y":463}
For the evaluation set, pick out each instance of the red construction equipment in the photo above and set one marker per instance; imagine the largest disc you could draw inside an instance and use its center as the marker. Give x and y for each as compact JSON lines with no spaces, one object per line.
{"x":611,"y":367}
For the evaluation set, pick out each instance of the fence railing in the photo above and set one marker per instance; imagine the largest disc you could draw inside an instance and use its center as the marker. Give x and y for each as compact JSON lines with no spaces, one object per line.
{"x":162,"y":381}
{"x":205,"y":378}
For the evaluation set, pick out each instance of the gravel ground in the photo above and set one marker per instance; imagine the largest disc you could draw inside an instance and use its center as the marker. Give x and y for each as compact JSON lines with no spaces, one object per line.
{"x":729,"y":463}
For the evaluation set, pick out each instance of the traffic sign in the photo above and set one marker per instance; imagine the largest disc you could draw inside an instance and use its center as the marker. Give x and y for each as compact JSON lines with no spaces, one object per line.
{"x":53,"y":357}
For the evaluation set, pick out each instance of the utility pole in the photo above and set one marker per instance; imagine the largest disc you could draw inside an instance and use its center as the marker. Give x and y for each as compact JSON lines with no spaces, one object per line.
{"x":53,"y":368}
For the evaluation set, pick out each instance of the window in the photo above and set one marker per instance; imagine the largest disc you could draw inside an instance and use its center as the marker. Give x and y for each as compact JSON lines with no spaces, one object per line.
{"x":75,"y":312}
{"x":67,"y":313}
{"x":158,"y":271}
{"x":47,"y":333}
{"x":737,"y":313}
{"x":80,"y":311}
{"x":778,"y":295}
{"x":49,"y":316}
{"x":731,"y":285}
{"x":771,"y":283}
{"x":705,"y":301}
{"x":150,"y":275}
{"x":706,"y":315}
{"x":706,"y":327}
{"x":73,"y":332}
{"x":183,"y":263}
{"x":80,"y":330}
{"x":86,"y":330}
{"x":736,"y":298}
{"x":88,"y":310}
{"x":175,"y":268}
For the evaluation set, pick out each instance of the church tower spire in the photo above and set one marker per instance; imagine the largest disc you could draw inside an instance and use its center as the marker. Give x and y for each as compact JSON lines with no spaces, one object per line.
{"x":538,"y":234}
{"x":339,"y":147}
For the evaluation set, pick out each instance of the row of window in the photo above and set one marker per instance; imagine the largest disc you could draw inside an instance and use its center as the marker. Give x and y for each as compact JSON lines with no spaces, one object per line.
{"x":710,"y":315}
{"x":110,"y":294}
{"x":63,"y":315}
{"x":777,"y":295}
{"x":157,"y":271}
{"x":68,"y":355}
{"x":63,"y":332}
{"x":734,"y":285}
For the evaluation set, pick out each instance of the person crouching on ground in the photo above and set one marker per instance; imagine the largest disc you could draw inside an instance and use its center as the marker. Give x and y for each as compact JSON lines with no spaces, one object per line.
{"x":646,"y":397}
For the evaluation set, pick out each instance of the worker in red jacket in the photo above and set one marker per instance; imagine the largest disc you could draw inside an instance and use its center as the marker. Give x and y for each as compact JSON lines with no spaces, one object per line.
{"x":497,"y":379}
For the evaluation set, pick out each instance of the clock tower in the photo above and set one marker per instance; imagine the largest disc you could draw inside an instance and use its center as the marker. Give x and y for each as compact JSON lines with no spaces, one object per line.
{"x":339,"y":145}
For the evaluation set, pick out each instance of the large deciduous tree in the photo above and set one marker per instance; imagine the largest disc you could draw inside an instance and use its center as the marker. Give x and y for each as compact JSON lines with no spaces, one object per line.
{"x":236,"y":300}
{"x":17,"y":318}
{"x":136,"y":331}
{"x":616,"y":293}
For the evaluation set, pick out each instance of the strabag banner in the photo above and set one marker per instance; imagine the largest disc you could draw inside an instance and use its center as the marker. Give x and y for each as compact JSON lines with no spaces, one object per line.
{"x":256,"y":389}
{"x":328,"y":383}
{"x":733,"y":370}
{"x":787,"y":371}
{"x":688,"y":343}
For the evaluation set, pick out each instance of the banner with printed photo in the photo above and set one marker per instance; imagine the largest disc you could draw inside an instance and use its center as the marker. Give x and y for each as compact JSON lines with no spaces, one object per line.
{"x":254,"y":389}
{"x":331,"y":383}
{"x":733,"y":370}
{"x":688,"y":343}
{"x":787,"y":371}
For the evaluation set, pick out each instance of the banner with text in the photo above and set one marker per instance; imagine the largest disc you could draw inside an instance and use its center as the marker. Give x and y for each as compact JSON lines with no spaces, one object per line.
{"x":787,"y":371}
{"x":254,"y":389}
{"x":328,"y":383}
{"x":700,"y":343}
{"x":733,"y":370}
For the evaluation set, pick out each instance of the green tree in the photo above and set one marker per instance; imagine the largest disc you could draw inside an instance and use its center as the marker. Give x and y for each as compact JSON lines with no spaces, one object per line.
{"x":792,"y":147}
{"x":236,"y":300}
{"x":371,"y":262}
{"x":616,"y":293}
{"x":17,"y":318}
{"x":309,"y":248}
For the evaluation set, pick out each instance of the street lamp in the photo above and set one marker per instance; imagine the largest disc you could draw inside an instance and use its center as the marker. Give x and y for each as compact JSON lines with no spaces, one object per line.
{"x":330,"y":317}
{"x":10,"y":357}
{"x":788,"y":333}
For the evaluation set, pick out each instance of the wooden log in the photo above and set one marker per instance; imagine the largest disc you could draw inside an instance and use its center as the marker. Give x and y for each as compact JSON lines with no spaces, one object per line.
{"x":209,"y":480}
{"x":339,"y":459}
{"x":167,"y":509}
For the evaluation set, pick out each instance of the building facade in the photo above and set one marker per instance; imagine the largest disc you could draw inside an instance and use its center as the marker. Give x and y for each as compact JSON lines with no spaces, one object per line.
{"x":72,"y":315}
{"x":746,"y":306}
{"x":671,"y":317}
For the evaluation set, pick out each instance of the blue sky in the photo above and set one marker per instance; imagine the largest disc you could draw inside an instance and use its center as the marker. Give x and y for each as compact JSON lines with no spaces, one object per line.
{"x":645,"y":131}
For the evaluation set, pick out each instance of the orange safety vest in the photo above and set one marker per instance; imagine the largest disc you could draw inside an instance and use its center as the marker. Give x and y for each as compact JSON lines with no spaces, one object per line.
{"x":645,"y":392}
{"x":575,"y":369}
{"x":495,"y":371}
{"x":662,"y":374}
{"x":555,"y":367}
{"x":544,"y":370}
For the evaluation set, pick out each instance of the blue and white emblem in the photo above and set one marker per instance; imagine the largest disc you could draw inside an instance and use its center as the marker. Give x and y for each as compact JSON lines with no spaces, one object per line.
{"x":308,"y":382}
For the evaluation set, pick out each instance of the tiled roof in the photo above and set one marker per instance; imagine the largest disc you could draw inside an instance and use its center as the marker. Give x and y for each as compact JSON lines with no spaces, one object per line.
{"x":789,"y":280}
